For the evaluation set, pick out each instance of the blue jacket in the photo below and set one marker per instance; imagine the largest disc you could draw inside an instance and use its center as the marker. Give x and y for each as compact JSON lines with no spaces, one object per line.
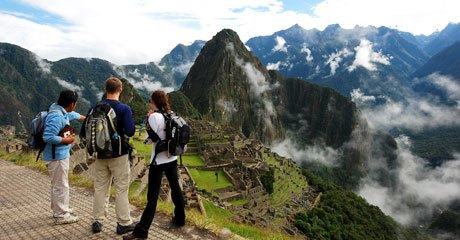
{"x":54,"y":123}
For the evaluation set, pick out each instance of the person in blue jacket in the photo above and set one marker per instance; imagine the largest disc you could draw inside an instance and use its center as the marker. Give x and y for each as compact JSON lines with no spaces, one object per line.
{"x":59,"y":136}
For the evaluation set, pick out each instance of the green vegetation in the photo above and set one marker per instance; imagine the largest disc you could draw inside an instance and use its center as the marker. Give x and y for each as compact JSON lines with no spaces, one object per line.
{"x":267,"y":180}
{"x":182,"y":105}
{"x":221,"y":217}
{"x":287,"y":183}
{"x":342,"y":214}
{"x":207,"y":179}
{"x":192,"y":160}
{"x":239,"y":202}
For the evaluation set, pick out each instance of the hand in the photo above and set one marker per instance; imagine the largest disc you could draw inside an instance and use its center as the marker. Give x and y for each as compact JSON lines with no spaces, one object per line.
{"x":68,"y":140}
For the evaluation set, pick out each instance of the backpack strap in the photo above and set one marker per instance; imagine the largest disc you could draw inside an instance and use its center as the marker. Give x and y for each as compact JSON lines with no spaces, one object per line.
{"x":113,"y":105}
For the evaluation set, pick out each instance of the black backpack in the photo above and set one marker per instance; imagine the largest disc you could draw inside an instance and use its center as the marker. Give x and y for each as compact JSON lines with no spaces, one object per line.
{"x":177,"y":136}
{"x":100,"y":131}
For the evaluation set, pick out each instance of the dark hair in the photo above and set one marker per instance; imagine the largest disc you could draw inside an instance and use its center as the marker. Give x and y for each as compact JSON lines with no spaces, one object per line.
{"x":161,"y":101}
{"x":67,"y":97}
{"x":112,"y":84}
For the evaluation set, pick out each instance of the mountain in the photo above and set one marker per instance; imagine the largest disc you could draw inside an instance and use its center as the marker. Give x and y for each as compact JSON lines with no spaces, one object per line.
{"x":228,"y":85}
{"x":179,"y":61}
{"x":30,"y":84}
{"x":446,"y":62}
{"x":363,"y":57}
{"x":443,"y":39}
{"x":26,"y":85}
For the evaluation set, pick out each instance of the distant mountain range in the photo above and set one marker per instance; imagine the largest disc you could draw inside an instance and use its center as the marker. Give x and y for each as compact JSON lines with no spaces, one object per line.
{"x":30,"y":83}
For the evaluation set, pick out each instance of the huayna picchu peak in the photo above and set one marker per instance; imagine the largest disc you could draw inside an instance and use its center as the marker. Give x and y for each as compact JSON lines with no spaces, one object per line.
{"x":230,"y":86}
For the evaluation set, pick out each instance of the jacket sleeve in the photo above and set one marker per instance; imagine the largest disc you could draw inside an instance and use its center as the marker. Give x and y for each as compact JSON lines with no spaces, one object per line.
{"x":52,"y":128}
{"x":73,"y":116}
{"x":129,"y":126}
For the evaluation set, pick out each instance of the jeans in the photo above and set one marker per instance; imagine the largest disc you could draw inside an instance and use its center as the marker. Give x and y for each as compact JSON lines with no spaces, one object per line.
{"x":155,"y":176}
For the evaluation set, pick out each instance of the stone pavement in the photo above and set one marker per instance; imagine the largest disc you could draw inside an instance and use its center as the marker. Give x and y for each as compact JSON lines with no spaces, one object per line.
{"x":25,"y":211}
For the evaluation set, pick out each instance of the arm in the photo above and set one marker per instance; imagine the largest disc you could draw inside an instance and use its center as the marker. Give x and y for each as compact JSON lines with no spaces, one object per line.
{"x":52,"y":129}
{"x":129,"y":126}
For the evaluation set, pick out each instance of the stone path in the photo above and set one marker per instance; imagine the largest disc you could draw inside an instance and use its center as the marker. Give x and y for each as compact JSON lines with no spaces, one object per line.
{"x":25,"y":211}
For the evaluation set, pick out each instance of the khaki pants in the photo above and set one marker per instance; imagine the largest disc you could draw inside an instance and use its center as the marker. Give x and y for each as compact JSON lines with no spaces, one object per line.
{"x":58,"y":171}
{"x":106,"y":170}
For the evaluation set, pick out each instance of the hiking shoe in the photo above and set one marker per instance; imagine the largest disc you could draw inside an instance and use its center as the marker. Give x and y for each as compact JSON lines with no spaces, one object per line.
{"x":66,"y":220}
{"x":96,"y":227}
{"x":132,"y":237}
{"x":177,"y":223}
{"x":124,"y":229}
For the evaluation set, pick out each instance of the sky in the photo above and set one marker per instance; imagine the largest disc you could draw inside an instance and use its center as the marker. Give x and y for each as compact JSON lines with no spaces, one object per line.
{"x":141,"y":31}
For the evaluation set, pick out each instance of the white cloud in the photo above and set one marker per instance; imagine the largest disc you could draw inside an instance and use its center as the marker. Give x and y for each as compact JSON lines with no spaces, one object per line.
{"x":366,"y":57}
{"x":449,"y":84}
{"x":229,"y":108}
{"x":277,"y":65}
{"x":149,"y":85}
{"x":184,"y":68}
{"x":335,"y":58}
{"x":416,"y":114}
{"x":358,"y":97}
{"x":43,"y":64}
{"x":274,"y":66}
{"x":141,"y":81}
{"x":280,"y":45}
{"x":309,"y":57}
{"x":421,"y":17}
{"x":420,"y":189}
{"x":311,"y":153}
{"x":106,"y":29}
{"x":257,"y":81}
{"x":70,"y":86}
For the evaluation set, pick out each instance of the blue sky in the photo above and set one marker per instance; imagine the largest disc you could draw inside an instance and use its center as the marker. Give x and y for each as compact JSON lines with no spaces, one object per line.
{"x":141,"y":31}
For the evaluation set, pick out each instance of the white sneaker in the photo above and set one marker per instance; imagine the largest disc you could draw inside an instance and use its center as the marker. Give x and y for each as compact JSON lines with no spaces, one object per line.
{"x":70,"y":212}
{"x":66,"y":220}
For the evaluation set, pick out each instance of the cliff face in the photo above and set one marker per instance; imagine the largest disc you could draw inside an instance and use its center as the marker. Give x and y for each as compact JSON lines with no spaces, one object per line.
{"x":313,"y":112}
{"x":229,"y":86}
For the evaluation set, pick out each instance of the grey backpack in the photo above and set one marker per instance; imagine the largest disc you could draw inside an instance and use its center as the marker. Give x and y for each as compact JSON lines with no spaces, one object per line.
{"x":101,"y":134}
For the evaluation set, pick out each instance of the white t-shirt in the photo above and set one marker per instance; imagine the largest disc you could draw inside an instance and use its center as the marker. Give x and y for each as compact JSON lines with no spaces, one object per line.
{"x":157,"y":123}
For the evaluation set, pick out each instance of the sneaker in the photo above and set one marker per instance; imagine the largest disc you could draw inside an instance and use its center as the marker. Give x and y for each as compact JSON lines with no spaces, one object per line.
{"x":96,"y":227}
{"x":132,"y":237}
{"x":66,"y":220}
{"x":124,"y":229}
{"x":70,"y":212}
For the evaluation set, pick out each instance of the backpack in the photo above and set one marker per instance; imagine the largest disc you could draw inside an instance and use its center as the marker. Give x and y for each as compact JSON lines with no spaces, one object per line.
{"x":177,"y":136}
{"x":35,"y":140}
{"x":100,"y":131}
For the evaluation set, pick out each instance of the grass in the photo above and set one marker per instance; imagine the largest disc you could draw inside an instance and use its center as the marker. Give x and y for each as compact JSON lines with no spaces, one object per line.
{"x":207,"y":180}
{"x":239,"y":202}
{"x":141,"y":148}
{"x":221,"y":217}
{"x":192,"y":160}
